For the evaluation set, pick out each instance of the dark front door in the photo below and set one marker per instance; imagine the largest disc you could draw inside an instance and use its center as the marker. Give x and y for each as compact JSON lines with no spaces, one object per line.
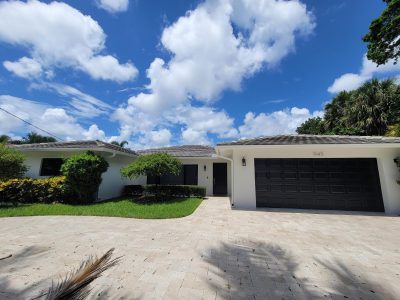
{"x":220,"y":179}
{"x":190,"y":174}
{"x":319,"y":183}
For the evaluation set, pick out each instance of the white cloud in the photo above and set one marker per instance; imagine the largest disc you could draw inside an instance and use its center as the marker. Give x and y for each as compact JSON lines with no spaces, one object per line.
{"x":266,"y":33}
{"x":213,"y":48}
{"x":190,"y":136}
{"x":113,"y":6}
{"x":57,"y":35}
{"x":54,"y":120}
{"x":94,"y":133}
{"x":83,"y":105}
{"x":278,"y":122}
{"x":351,"y":81}
{"x":25,"y":67}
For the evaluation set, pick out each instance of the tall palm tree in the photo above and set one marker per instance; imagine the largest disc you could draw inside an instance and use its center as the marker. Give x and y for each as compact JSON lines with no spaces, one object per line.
{"x":120,"y":144}
{"x":371,"y":106}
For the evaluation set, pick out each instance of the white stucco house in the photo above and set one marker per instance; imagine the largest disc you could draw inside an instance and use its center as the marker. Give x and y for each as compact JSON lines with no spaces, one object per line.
{"x":286,"y":171}
{"x":315,"y":172}
{"x":45,"y":159}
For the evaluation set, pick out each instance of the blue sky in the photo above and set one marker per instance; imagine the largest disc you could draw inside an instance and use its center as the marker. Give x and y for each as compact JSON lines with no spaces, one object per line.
{"x":172,"y":72}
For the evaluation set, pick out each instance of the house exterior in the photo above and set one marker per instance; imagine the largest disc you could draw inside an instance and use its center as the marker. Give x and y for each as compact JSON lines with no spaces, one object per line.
{"x":315,"y":172}
{"x":355,"y":173}
{"x":201,"y":166}
{"x":45,"y":159}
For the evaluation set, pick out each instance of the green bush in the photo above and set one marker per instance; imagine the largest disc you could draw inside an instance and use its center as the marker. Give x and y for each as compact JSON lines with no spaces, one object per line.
{"x":11,"y":163}
{"x":157,"y":164}
{"x":83,"y":175}
{"x":165,"y":192}
{"x":28,"y":190}
{"x":133,"y":190}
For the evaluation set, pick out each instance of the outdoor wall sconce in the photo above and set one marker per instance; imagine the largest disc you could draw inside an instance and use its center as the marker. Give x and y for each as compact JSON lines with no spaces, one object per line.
{"x":205,"y":168}
{"x":243,"y":162}
{"x":397,"y":161}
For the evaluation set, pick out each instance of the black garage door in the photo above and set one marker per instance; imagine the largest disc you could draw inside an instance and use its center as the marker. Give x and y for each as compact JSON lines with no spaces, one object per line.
{"x":342,"y":184}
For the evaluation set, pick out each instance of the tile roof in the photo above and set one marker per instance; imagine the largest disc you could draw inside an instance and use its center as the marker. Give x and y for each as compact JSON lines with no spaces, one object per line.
{"x":183,"y":151}
{"x":87,"y":145}
{"x":305,"y":139}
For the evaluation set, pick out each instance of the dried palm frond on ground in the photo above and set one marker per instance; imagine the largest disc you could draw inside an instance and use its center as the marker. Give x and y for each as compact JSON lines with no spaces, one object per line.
{"x":76,"y":285}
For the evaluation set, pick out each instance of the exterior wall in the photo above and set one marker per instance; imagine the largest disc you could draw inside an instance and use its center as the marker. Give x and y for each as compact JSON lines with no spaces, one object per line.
{"x":112,"y":184}
{"x":244,"y":194}
{"x":205,"y":178}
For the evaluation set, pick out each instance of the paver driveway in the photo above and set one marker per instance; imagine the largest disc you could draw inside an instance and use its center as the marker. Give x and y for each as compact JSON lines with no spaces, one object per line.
{"x":216,"y":253}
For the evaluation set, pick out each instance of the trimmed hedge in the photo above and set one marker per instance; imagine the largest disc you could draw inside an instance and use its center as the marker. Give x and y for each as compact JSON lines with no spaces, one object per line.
{"x":28,"y":190}
{"x":133,"y":190}
{"x":165,"y":191}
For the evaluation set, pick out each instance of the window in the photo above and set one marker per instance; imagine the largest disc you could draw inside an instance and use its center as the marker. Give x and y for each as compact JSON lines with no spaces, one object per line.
{"x":51,"y":166}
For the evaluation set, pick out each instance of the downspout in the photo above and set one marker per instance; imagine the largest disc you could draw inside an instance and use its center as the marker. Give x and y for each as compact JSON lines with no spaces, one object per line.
{"x":232,"y":189}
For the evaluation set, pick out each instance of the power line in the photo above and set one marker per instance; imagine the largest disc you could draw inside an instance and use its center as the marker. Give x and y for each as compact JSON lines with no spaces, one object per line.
{"x":10,"y":113}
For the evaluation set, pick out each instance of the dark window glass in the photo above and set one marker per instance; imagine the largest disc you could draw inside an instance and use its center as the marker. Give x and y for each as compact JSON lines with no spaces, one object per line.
{"x":190,"y":174}
{"x":51,"y":166}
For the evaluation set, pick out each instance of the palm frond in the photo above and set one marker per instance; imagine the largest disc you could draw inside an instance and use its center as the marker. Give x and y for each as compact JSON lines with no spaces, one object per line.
{"x":76,"y":285}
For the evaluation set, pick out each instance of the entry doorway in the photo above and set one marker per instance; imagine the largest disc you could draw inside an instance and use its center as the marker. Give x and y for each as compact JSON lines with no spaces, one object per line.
{"x":220,"y":179}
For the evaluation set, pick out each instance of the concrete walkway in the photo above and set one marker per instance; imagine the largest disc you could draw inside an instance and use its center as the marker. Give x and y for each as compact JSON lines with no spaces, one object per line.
{"x":216,"y":253}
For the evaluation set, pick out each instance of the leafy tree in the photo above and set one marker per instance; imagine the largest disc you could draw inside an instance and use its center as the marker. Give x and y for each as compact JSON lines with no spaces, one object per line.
{"x":121,"y":144}
{"x":383,"y":36}
{"x":4,"y":139}
{"x":33,"y":138}
{"x":312,"y":126}
{"x":11,"y":163}
{"x":157,"y":164}
{"x":83,"y":174}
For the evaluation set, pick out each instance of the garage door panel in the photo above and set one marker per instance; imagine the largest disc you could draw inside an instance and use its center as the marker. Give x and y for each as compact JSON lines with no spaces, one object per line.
{"x":340,"y":184}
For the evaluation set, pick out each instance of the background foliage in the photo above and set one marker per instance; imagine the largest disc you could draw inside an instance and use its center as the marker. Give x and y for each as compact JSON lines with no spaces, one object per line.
{"x":372,"y":109}
{"x":11,"y":163}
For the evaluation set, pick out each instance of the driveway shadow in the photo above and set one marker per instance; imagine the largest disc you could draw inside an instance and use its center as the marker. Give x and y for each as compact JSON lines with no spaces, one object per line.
{"x":257,"y":270}
{"x":17,"y":262}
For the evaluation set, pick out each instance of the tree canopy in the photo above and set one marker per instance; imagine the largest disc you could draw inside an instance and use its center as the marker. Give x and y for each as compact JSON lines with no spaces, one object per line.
{"x":157,"y":164}
{"x":11,"y":163}
{"x":383,"y":36}
{"x":372,"y":109}
{"x":30,"y":138}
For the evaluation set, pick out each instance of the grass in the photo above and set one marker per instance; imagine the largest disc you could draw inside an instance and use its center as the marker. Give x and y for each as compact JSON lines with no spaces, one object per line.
{"x":125,"y":208}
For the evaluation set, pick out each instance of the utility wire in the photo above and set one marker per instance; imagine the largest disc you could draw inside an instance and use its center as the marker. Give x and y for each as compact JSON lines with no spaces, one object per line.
{"x":6,"y":111}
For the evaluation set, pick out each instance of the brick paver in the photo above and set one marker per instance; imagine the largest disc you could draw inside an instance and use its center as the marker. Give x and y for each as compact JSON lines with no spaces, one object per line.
{"x":216,"y":253}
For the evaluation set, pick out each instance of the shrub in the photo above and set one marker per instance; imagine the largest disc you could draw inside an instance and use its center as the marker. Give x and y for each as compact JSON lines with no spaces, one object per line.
{"x":28,"y":190}
{"x":133,"y":190}
{"x":157,"y":164}
{"x":165,"y":192}
{"x":83,"y":174}
{"x":11,"y":163}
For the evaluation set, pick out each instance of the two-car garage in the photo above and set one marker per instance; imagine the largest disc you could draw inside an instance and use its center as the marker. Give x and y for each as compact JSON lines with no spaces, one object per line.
{"x":315,"y":183}
{"x":348,"y":173}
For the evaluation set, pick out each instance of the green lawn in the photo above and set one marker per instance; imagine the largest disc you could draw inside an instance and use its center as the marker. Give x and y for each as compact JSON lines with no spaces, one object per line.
{"x":117,"y":208}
